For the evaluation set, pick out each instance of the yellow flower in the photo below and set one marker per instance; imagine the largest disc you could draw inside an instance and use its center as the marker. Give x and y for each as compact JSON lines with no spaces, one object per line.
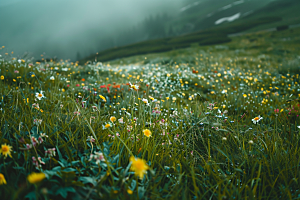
{"x":5,"y":150}
{"x":32,"y":75}
{"x":147,"y":132}
{"x":2,"y":77}
{"x":129,"y":191}
{"x":102,"y":97}
{"x":35,"y":177}
{"x":107,"y":126}
{"x":113,"y":119}
{"x":139,"y":166}
{"x":2,"y":179}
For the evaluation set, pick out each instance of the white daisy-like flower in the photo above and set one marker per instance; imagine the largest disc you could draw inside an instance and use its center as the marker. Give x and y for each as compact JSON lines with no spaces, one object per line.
{"x":134,"y":87}
{"x":257,"y":119}
{"x":145,"y":101}
{"x":52,"y":78}
{"x":39,"y":95}
{"x":250,"y":142}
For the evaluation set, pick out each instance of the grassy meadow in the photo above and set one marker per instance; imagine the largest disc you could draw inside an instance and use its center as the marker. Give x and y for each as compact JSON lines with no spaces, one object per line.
{"x":204,"y":122}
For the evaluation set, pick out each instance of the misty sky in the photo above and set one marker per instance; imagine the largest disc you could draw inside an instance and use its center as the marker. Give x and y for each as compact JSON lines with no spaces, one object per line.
{"x":64,"y":27}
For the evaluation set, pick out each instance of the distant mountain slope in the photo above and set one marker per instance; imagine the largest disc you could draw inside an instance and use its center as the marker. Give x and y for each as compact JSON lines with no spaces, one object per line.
{"x":279,"y":12}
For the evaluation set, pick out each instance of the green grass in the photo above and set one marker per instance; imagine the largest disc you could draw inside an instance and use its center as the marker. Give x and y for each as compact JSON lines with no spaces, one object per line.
{"x":202,"y":100}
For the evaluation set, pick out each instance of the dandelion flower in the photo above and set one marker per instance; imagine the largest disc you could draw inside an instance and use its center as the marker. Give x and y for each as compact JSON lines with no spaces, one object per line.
{"x":139,"y":166}
{"x":257,"y":119}
{"x":39,"y":95}
{"x":2,"y":179}
{"x":129,"y":191}
{"x":2,"y":77}
{"x":147,"y":132}
{"x":35,"y":177}
{"x":113,"y":119}
{"x":5,"y":150}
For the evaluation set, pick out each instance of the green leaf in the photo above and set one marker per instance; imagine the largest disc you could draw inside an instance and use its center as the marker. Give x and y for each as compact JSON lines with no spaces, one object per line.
{"x":86,"y":180}
{"x":64,"y":191}
{"x":31,"y":195}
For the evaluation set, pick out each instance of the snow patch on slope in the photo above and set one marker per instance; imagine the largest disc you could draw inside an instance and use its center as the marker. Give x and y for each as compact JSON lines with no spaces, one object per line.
{"x":189,"y":6}
{"x":229,"y":19}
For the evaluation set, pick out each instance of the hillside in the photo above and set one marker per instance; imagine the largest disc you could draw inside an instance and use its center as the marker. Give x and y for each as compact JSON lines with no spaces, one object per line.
{"x":273,"y":14}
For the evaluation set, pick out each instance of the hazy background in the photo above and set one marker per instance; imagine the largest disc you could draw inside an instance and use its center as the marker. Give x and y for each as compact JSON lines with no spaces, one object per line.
{"x":77,"y":28}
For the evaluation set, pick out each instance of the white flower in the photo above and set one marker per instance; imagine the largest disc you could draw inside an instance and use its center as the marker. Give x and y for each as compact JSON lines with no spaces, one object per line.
{"x":250,"y":142}
{"x":298,"y":126}
{"x":256,"y":119}
{"x":39,"y":95}
{"x":145,"y":101}
{"x":224,"y":138}
{"x":132,"y":86}
{"x":52,"y":78}
{"x":121,"y":120}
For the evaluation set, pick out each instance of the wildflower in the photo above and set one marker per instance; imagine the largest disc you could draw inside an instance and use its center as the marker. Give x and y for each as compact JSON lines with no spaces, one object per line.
{"x":35,"y":177}
{"x":98,"y":156}
{"x":135,"y":87}
{"x":2,"y":179}
{"x":250,"y":142}
{"x":77,"y":113}
{"x":139,"y":166}
{"x":224,"y":138}
{"x":113,"y":119}
{"x":37,"y":162}
{"x":37,"y":121}
{"x":50,"y":152}
{"x":103,"y":98}
{"x":6,"y":150}
{"x":52,"y":78}
{"x":39,"y":95}
{"x":91,"y":139}
{"x":145,"y":101}
{"x":121,"y":120}
{"x":129,"y":191}
{"x":2,"y":77}
{"x":256,"y":119}
{"x":107,"y":126}
{"x":147,"y":132}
